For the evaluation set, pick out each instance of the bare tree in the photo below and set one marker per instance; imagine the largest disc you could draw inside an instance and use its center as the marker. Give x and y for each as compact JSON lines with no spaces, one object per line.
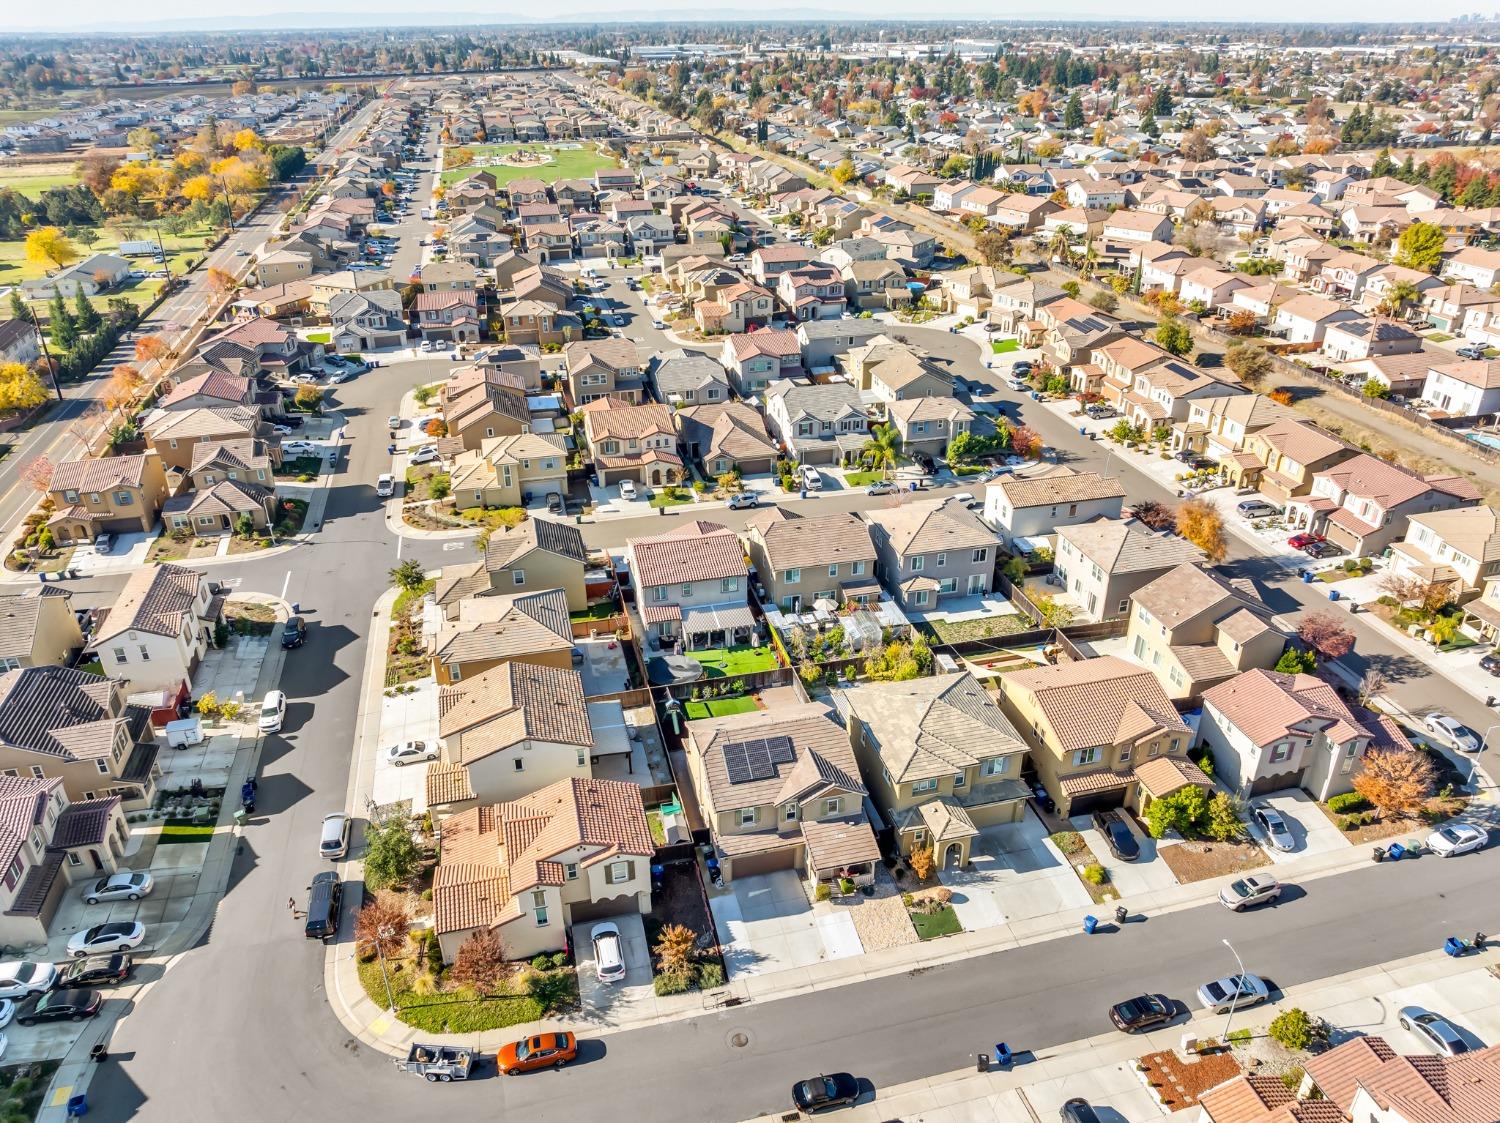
{"x":480,"y":962}
{"x":1326,"y":634}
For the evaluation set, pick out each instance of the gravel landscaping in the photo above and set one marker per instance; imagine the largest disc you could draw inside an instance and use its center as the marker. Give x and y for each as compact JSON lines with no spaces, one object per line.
{"x":881,"y":921}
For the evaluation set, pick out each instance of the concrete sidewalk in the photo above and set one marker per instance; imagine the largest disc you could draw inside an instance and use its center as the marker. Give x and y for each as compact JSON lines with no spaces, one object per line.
{"x":1101,"y":1069}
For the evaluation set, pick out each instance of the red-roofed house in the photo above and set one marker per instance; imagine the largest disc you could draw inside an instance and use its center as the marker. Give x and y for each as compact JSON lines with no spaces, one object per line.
{"x":1369,"y":1083}
{"x":1363,"y":503}
{"x":692,"y":583}
{"x":453,"y":314}
{"x":631,"y":442}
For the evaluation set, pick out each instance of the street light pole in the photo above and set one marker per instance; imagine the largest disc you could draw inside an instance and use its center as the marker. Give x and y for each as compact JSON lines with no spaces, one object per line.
{"x":1235,"y":1000}
{"x":41,"y":342}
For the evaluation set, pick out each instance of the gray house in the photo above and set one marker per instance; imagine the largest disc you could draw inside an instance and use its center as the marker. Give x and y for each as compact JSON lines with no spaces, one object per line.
{"x":824,"y":424}
{"x":687,"y":378}
{"x":824,"y":341}
{"x":1101,"y":563}
{"x":1033,"y":505}
{"x":931,"y":550}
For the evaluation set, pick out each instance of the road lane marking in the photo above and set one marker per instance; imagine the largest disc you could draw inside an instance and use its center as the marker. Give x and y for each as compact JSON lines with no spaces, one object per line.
{"x":286,"y":583}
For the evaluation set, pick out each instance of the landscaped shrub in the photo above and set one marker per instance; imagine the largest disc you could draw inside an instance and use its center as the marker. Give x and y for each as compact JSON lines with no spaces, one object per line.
{"x":1348,"y":802}
{"x":1095,"y":874}
{"x":710,"y":975}
{"x":823,"y":891}
{"x":671,"y":982}
{"x":541,"y":962}
{"x":846,"y":886}
{"x":1292,"y":1029}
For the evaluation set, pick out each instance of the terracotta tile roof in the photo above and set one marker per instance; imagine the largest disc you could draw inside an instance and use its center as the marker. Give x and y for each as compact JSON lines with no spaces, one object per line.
{"x":1064,"y":486}
{"x":604,"y":817}
{"x":153,"y":600}
{"x":808,"y":726}
{"x":1101,"y":780}
{"x":932,"y":727}
{"x":1163,"y":775}
{"x":937,"y":524}
{"x":1302,"y":441}
{"x":506,"y":627}
{"x":839,"y":842}
{"x":1104,"y":701}
{"x":1338,"y":1072}
{"x":85,"y":823}
{"x":767,"y":341}
{"x":23,"y":801}
{"x":695,"y":551}
{"x":1245,"y":1099}
{"x":447,"y":783}
{"x":211,"y":384}
{"x":1369,"y":477}
{"x":1462,"y":1089}
{"x":1265,"y":705}
{"x":796,"y":542}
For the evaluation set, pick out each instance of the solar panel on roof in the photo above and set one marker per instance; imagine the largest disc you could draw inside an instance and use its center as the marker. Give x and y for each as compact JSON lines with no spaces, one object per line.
{"x":736,"y":765}
{"x":759,"y":757}
{"x":781,"y":750}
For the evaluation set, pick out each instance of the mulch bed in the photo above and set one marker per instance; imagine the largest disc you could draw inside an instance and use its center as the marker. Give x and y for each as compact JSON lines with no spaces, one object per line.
{"x":1196,"y":861}
{"x":1380,"y":829}
{"x":1179,"y":1083}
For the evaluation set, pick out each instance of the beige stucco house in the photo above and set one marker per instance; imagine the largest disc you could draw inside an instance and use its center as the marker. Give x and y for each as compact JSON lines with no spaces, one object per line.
{"x":37,"y":629}
{"x":159,"y":628}
{"x":538,"y":554}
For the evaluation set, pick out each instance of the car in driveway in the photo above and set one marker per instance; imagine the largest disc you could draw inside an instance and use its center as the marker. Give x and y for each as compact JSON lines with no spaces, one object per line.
{"x":60,"y":1006}
{"x":1302,"y":541}
{"x":1451,"y":729}
{"x":1473,"y":351}
{"x":811,"y":479}
{"x":1078,"y":1110}
{"x":1143,"y":1012}
{"x":1117,"y":836}
{"x":1249,"y":892}
{"x":427,"y":454}
{"x":1491,"y":661}
{"x":20,"y":977}
{"x":293,"y":633}
{"x":609,"y":952}
{"x":1278,"y":831}
{"x":1433,"y":1029}
{"x":628,"y":490}
{"x":1322,"y":550}
{"x":556,"y":503}
{"x":1455,"y":839}
{"x":123,"y":885}
{"x":408,"y":751}
{"x":97,"y":970}
{"x":1236,"y":992}
{"x":545,"y":1050}
{"x":272,"y":712}
{"x":825,"y":1091}
{"x":104,"y":543}
{"x":117,"y":936}
{"x":1256,"y":509}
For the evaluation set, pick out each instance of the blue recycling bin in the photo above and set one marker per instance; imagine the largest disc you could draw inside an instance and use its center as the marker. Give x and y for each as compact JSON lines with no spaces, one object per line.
{"x":1090,"y":923}
{"x":1307,"y":576}
{"x":1333,"y":594}
{"x":1395,"y":851}
{"x":1003,"y":1054}
{"x":1453,"y":946}
{"x":78,"y":1105}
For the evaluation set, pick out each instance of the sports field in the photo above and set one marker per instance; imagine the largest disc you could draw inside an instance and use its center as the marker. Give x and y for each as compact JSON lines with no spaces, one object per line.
{"x":566,"y":163}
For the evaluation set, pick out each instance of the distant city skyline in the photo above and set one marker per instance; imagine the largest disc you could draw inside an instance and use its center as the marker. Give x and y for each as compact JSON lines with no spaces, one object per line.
{"x":75,"y":16}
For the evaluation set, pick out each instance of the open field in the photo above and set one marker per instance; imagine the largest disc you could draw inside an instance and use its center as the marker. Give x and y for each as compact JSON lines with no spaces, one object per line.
{"x":567,"y":163}
{"x":180,"y":248}
{"x":32,"y":179}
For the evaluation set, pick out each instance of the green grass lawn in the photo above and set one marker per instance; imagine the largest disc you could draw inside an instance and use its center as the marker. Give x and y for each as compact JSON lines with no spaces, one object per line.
{"x":988,"y":627}
{"x":662,"y":499}
{"x":862,"y":479}
{"x":184,"y":830}
{"x":731,"y":661}
{"x":941,"y":923}
{"x":32,"y":179}
{"x":601,"y":611}
{"x":567,"y":163}
{"x":719,"y":707}
{"x":180,"y":250}
{"x":319,"y":337}
{"x":1001,"y":346}
{"x":455,"y":1011}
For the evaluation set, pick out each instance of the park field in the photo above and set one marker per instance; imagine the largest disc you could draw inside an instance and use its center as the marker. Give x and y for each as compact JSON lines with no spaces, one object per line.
{"x":181,"y":249}
{"x":567,"y":163}
{"x":32,"y":179}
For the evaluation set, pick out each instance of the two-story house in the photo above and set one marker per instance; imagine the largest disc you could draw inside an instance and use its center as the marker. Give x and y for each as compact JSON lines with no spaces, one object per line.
{"x":538,"y":554}
{"x":1102,"y":562}
{"x":510,"y":471}
{"x":107,"y":495}
{"x":1034,"y":504}
{"x":1458,"y":547}
{"x":531,"y":867}
{"x":940,"y":759}
{"x":631,"y":442}
{"x":1221,"y":426}
{"x":685,"y":378}
{"x":208,"y":388}
{"x":812,"y":292}
{"x":1363,"y":503}
{"x":928,"y":425}
{"x":726,"y":437}
{"x":693,"y":586}
{"x":1468,"y":388}
{"x":174,"y":434}
{"x":482,"y":402}
{"x":893,"y":371}
{"x":780,"y":790}
{"x":818,"y":424}
{"x":366,"y":321}
{"x":449,"y":314}
{"x":1270,"y":731}
{"x":1306,"y":318}
{"x":481,"y":632}
{"x":804,"y":559}
{"x":758,"y":360}
{"x":1096,"y":730}
{"x":1193,"y":629}
{"x":38,"y":629}
{"x":602,"y":368}
{"x":229,"y":481}
{"x":67,"y":724}
{"x":931,"y":550}
{"x":1282,"y":459}
{"x":159,"y":628}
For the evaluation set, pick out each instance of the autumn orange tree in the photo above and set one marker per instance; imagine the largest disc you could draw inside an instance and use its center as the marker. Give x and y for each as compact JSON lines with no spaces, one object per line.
{"x":123,"y":387}
{"x":1200,"y":523}
{"x":151,"y":348}
{"x":480,"y":962}
{"x":1026,"y":442}
{"x":1397,"y":781}
{"x":675,"y":948}
{"x":220,"y":282}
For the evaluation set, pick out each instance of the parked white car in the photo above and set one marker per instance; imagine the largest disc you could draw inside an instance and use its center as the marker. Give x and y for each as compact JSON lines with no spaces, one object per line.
{"x":609,"y":952}
{"x":628,"y":490}
{"x":123,"y":885}
{"x":20,"y":977}
{"x":427,"y":454}
{"x":273,"y":712}
{"x":811,"y":480}
{"x":385,"y":485}
{"x":1455,"y":839}
{"x":103,"y":938}
{"x":408,"y":751}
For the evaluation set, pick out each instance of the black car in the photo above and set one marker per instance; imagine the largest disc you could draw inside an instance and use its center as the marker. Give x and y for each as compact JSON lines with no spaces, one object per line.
{"x":838,"y":1089}
{"x":1122,"y":843}
{"x":1322,"y":550}
{"x":293,"y":632}
{"x":925,"y":461}
{"x":1144,"y":1012}
{"x":97,"y":970}
{"x":59,"y":1006}
{"x":1078,"y":1110}
{"x":1491,"y":662}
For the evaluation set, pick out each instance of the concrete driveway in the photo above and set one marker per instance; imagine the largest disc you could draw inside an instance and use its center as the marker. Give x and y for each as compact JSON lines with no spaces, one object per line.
{"x":1311,"y":830}
{"x":1015,"y":874}
{"x":630,"y":998}
{"x":766,"y":924}
{"x":1146,"y":874}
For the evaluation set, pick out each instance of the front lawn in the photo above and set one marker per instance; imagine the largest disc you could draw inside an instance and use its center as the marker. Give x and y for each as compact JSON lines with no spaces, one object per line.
{"x":184,"y":830}
{"x":319,"y":337}
{"x":671,"y":497}
{"x":494,"y":517}
{"x":931,"y":925}
{"x":460,"y":1010}
{"x":719,"y":707}
{"x":1003,"y":346}
{"x":300,"y":466}
{"x":862,"y":479}
{"x":731,"y":661}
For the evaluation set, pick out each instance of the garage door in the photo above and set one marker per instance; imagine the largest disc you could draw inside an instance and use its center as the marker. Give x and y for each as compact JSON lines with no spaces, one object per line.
{"x":751,"y":864}
{"x":1276,"y":783}
{"x":1097,"y":801}
{"x":596,"y":910}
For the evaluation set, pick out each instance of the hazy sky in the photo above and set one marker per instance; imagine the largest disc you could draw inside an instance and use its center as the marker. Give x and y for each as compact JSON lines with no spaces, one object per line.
{"x":80,"y":15}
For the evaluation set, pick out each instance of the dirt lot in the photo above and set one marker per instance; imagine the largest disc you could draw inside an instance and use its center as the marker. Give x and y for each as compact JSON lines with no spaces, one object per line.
{"x":1196,"y":861}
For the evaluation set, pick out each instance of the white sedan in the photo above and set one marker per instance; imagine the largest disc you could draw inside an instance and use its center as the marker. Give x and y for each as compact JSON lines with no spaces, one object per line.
{"x":106,"y":938}
{"x":20,"y":978}
{"x":126,"y":885}
{"x":1455,"y":839}
{"x":1450,"y":729}
{"x":408,"y":751}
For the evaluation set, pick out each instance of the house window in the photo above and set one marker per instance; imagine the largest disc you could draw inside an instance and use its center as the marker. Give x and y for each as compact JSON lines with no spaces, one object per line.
{"x":659,"y":592}
{"x":833,"y":570}
{"x":119,"y":654}
{"x":942,"y":560}
{"x":103,"y":766}
{"x":995,"y":766}
{"x":518,"y":764}
{"x":793,"y":577}
{"x":920,"y":599}
{"x":747,"y":816}
{"x":539,"y":908}
{"x":729,"y":585}
{"x":981,"y":555}
{"x":1281,"y":752}
{"x":857,"y":569}
{"x":1123,"y":607}
{"x":791,"y":812}
{"x":518,"y":577}
{"x":920,"y":786}
{"x":1124,"y":754}
{"x":1086,"y":756}
{"x":918,"y":837}
{"x":145,"y":654}
{"x":1176,"y":741}
{"x":918,"y":563}
{"x":74,"y":859}
{"x":616,"y":872}
{"x":36,"y":771}
{"x":959,"y":780}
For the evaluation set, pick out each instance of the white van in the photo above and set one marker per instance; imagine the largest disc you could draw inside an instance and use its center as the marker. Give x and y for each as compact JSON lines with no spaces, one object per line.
{"x":810,"y":478}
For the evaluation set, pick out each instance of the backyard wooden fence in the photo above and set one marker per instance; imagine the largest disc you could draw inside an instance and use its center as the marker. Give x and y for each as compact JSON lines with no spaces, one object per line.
{"x":605,"y":626}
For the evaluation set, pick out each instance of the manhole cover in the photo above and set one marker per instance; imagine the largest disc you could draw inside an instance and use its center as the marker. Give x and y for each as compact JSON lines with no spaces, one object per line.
{"x":739,"y":1039}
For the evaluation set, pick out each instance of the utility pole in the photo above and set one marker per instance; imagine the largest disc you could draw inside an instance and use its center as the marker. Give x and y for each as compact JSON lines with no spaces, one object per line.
{"x":41,"y":342}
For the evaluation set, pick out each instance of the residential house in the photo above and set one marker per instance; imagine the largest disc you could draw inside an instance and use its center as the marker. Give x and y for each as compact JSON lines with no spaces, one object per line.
{"x":1192,"y":629}
{"x":758,"y":360}
{"x":768,"y":263}
{"x":1474,"y":265}
{"x":1465,"y":311}
{"x":1211,"y":288}
{"x":174,"y":434}
{"x":95,"y":274}
{"x":530,"y":868}
{"x":1464,"y":388}
{"x":1363,"y":503}
{"x":367,"y":321}
{"x":780,"y":790}
{"x":1367,"y":337}
{"x":693,"y":586}
{"x":1101,"y":563}
{"x":451,"y":314}
{"x":1221,"y":426}
{"x":208,"y":389}
{"x":1030,"y":506}
{"x":822,"y":342}
{"x":107,"y":495}
{"x":481,"y":402}
{"x":928,"y":425}
{"x":1283,"y":459}
{"x":1102,"y":734}
{"x":875,"y":285}
{"x":688,"y":378}
{"x":512,"y":471}
{"x":940,"y":760}
{"x":478,"y":633}
{"x":1364,"y":1079}
{"x":603,"y":368}
{"x":538,"y":322}
{"x":812,"y":292}
{"x":804,"y":559}
{"x":817,"y":424}
{"x":931,"y":550}
{"x":1458,"y":547}
{"x":1306,"y":318}
{"x":231,"y":485}
{"x":38,"y":629}
{"x":632,"y":442}
{"x":727,"y":437}
{"x":159,"y":628}
{"x":893,"y":371}
{"x":736,"y":307}
{"x":538,"y":554}
{"x":1022,"y":213}
{"x":18,"y":342}
{"x":1270,"y":731}
{"x":1137,"y":226}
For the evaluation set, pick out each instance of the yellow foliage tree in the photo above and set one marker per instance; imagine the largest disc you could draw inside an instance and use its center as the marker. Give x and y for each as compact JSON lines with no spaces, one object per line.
{"x":1200,"y":523}
{"x":20,"y":387}
{"x":248,"y":140}
{"x":199,"y":189}
{"x":49,"y":245}
{"x":190,"y":160}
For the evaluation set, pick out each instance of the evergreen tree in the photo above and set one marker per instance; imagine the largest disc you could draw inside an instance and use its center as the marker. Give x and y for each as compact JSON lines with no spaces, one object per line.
{"x":85,"y":317}
{"x":1408,"y":170}
{"x":60,"y":324}
{"x":1383,"y":165}
{"x":18,"y":309}
{"x":1161,"y":102}
{"x":1073,"y":114}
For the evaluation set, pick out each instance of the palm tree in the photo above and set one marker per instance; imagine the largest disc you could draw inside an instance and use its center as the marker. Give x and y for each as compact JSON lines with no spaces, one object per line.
{"x":1061,"y":246}
{"x":883,"y":450}
{"x":1401,"y":294}
{"x":1090,"y":261}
